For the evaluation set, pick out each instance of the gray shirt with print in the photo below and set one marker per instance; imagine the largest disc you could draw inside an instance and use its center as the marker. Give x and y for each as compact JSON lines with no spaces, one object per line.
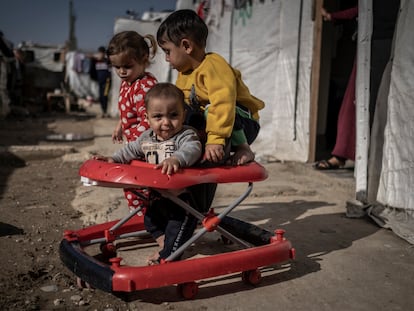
{"x":185,"y":146}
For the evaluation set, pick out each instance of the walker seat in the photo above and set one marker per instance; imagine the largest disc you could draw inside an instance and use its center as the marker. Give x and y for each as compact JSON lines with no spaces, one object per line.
{"x":259,"y":247}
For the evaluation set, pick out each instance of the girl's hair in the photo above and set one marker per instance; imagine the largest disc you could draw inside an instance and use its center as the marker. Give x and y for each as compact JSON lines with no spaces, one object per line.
{"x":167,"y":90}
{"x":183,"y":24}
{"x":133,"y":45}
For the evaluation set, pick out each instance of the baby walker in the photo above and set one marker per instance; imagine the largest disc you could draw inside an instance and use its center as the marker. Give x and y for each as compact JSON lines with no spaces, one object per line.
{"x":259,"y":247}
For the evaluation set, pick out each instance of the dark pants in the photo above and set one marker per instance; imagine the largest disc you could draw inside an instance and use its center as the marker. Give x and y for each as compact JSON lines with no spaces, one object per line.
{"x":103,"y":96}
{"x":164,"y":217}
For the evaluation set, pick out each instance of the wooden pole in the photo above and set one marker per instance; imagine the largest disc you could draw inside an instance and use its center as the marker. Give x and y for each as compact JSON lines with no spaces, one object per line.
{"x":315,"y":75}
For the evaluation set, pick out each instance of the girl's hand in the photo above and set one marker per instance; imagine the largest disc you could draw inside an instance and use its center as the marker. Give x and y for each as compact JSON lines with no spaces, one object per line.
{"x":117,"y":134}
{"x":214,"y":153}
{"x":169,"y":166}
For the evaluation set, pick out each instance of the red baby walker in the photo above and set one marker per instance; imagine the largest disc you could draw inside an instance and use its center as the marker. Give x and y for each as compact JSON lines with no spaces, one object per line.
{"x":258,"y":247}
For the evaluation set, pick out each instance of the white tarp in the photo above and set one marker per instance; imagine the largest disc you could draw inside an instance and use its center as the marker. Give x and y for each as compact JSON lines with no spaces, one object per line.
{"x":397,"y":175}
{"x":80,"y":82}
{"x":270,"y":42}
{"x":392,"y":166}
{"x":45,"y":57}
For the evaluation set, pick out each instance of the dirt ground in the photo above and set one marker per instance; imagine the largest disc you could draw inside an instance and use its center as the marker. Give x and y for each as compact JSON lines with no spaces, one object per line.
{"x":341,"y":263}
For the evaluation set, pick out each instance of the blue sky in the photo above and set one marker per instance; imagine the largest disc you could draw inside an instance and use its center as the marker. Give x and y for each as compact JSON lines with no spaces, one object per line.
{"x":47,"y":21}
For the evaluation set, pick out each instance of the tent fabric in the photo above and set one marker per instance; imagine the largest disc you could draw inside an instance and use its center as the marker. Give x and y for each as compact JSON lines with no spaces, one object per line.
{"x":377,"y":135}
{"x":80,"y":81}
{"x":399,"y":220}
{"x":397,"y":174}
{"x":44,"y":56}
{"x":391,"y":159}
{"x":270,"y":42}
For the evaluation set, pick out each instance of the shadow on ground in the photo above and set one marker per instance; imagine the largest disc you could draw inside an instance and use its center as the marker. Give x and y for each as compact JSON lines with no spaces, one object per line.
{"x":313,"y":237}
{"x":34,"y":131}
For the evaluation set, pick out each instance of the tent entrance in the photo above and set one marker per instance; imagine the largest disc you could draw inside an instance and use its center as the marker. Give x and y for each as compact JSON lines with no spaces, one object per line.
{"x":338,"y":48}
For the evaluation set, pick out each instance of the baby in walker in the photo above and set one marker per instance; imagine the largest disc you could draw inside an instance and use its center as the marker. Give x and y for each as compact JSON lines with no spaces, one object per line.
{"x":170,"y":145}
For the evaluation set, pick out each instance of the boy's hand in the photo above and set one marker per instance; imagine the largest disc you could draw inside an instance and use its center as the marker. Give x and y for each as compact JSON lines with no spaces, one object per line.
{"x":102,"y":158}
{"x":169,"y":166}
{"x":214,"y":153}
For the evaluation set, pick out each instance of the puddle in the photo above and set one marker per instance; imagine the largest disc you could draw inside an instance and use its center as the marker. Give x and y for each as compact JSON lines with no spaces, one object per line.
{"x":69,"y":137}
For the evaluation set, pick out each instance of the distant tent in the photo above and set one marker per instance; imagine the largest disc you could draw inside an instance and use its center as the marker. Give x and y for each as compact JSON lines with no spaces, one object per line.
{"x":78,"y":77}
{"x":44,"y":68}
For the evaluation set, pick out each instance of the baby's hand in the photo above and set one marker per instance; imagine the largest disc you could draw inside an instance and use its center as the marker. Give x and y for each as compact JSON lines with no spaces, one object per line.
{"x":102,"y":158}
{"x":169,"y":166}
{"x":214,"y":153}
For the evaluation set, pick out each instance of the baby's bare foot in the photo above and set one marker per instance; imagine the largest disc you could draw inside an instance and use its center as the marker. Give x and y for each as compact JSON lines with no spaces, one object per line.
{"x":155,"y":258}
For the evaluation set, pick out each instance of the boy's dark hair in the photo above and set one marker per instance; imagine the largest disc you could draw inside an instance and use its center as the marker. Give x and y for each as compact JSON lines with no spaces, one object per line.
{"x":183,"y":24}
{"x":167,"y":90}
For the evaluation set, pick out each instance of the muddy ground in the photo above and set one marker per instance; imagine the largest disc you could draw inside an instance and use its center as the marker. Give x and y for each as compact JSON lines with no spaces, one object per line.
{"x":342,"y":263}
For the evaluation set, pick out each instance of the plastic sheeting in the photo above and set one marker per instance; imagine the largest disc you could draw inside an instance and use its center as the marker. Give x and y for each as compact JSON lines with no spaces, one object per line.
{"x":397,"y":175}
{"x":391,"y":158}
{"x":270,"y":42}
{"x":45,"y":56}
{"x":80,"y":82}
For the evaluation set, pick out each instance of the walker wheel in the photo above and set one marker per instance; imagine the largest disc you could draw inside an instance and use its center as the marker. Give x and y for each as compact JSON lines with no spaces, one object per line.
{"x":108,"y":249}
{"x":187,"y":290}
{"x":252,"y":277}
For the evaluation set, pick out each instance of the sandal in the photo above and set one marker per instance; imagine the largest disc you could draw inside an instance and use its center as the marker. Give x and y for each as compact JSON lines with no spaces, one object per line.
{"x":326,"y":165}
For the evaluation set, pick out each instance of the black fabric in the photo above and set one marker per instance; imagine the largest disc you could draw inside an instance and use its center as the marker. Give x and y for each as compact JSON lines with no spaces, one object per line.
{"x":384,"y":15}
{"x":164,"y":217}
{"x":202,"y":196}
{"x":103,"y":97}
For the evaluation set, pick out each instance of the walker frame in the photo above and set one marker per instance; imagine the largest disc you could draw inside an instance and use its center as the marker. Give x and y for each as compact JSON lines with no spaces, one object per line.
{"x":261,"y":247}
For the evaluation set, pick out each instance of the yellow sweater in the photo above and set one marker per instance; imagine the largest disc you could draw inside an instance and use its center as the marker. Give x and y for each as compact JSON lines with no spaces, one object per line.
{"x":220,"y":86}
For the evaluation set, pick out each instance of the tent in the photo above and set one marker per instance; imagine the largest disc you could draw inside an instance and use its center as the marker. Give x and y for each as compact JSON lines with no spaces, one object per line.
{"x":278,"y":47}
{"x":391,"y":158}
{"x":78,"y":76}
{"x":44,"y":67}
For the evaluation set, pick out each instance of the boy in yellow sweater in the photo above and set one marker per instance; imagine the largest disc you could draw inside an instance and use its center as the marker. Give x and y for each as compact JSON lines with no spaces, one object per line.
{"x":213,"y":86}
